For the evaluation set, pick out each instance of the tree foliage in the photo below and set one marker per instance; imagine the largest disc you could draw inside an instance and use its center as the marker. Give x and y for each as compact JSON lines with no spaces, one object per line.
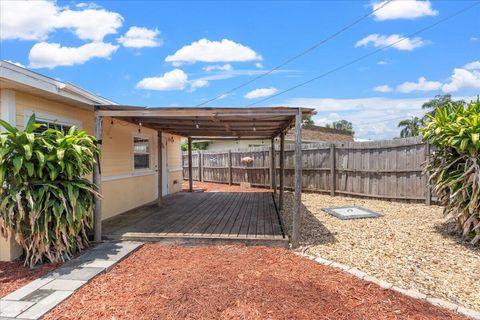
{"x":342,"y":125}
{"x":410,"y":127}
{"x":454,"y":132}
{"x":45,"y":201}
{"x":202,"y":145}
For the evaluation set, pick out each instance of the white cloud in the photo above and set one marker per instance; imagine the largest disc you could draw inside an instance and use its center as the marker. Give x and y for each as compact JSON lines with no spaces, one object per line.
{"x":383,"y":62}
{"x":421,"y":85}
{"x":259,"y":65}
{"x":372,"y":118}
{"x":331,"y":117}
{"x":377,"y":40}
{"x":89,"y":5}
{"x":138,"y":37}
{"x":404,"y":9}
{"x":90,"y":24}
{"x":34,"y":20}
{"x":199,"y":83}
{"x":205,"y":50}
{"x":475,"y":65}
{"x":216,"y":67}
{"x":473,"y":38}
{"x":27,"y":20}
{"x":261,"y":93}
{"x":173,"y":80}
{"x":51,"y":55}
{"x":463,"y":78}
{"x":383,"y":88}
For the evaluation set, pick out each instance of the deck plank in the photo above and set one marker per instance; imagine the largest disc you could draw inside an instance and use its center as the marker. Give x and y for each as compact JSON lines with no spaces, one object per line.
{"x":184,"y":217}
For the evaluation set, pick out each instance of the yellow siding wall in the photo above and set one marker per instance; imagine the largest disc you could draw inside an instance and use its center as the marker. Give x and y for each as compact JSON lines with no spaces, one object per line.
{"x":174,"y":163}
{"x":27,"y":102}
{"x":122,"y":188}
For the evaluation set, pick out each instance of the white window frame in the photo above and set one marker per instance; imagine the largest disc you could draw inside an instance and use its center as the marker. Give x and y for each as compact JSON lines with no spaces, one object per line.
{"x":151,"y":153}
{"x":51,"y":119}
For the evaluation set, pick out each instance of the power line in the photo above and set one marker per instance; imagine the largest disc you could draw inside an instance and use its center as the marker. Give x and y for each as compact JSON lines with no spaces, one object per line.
{"x":366,"y":55}
{"x":345,"y":28}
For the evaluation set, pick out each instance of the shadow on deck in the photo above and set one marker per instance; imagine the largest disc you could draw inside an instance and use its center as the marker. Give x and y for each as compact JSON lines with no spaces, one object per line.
{"x":203,"y":218}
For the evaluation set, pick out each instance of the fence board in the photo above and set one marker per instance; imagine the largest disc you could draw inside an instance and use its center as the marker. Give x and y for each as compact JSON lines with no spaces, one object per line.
{"x":389,"y":169}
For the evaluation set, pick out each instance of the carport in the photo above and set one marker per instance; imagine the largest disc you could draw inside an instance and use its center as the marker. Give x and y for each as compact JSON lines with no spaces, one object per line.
{"x":189,"y":217}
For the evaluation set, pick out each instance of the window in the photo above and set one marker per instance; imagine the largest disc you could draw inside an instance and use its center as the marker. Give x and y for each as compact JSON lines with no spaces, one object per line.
{"x":141,"y":153}
{"x":52,"y":121}
{"x":47,"y":125}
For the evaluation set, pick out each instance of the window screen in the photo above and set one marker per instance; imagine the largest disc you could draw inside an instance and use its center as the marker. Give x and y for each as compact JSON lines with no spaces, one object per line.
{"x":141,"y":153}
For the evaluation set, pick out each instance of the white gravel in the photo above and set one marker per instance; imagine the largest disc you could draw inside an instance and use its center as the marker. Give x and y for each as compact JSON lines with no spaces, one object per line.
{"x":411,"y":246}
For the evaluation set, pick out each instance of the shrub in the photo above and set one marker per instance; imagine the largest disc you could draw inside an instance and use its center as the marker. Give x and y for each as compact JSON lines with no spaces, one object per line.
{"x":454,"y":132}
{"x":45,"y":201}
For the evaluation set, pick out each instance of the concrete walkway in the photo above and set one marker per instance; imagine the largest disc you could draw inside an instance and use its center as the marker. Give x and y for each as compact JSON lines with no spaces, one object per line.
{"x":39,"y":296}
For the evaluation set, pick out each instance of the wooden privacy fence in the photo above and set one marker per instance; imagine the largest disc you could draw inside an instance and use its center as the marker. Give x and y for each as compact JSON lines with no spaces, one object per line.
{"x":378,"y":169}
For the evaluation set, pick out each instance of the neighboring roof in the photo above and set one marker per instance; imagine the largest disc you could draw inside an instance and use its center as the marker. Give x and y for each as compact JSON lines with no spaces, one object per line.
{"x":19,"y":78}
{"x":211,"y":123}
{"x":313,"y":133}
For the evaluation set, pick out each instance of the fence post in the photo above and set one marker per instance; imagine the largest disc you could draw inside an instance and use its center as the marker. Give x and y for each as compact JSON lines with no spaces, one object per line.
{"x":428,"y":190}
{"x":199,"y":159}
{"x":332,"y":170}
{"x":190,"y":175}
{"x":230,"y":176}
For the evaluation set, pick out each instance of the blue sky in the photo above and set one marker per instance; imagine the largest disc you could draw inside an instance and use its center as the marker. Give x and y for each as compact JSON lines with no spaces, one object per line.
{"x":159,"y":53}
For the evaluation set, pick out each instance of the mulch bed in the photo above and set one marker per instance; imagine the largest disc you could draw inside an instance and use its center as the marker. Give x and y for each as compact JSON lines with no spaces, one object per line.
{"x":234,"y":282}
{"x":14,"y":275}
{"x":220,"y":187}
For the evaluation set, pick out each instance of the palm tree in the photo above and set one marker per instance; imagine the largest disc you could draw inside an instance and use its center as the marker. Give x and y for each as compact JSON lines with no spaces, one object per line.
{"x":439,"y":101}
{"x":410,"y":127}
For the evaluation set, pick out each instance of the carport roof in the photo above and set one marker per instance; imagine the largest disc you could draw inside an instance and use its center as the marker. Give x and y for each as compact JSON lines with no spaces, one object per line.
{"x":210,"y":123}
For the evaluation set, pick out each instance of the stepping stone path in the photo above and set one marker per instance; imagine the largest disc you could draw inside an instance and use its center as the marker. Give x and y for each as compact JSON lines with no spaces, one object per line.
{"x":41,"y":295}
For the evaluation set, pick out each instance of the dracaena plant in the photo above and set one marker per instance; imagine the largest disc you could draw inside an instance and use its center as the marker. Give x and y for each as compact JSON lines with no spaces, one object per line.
{"x":454,"y":132}
{"x":45,"y":200}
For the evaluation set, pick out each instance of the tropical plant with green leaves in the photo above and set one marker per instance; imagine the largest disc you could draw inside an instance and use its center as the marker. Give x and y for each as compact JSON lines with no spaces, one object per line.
{"x":454,"y":167}
{"x":45,"y":200}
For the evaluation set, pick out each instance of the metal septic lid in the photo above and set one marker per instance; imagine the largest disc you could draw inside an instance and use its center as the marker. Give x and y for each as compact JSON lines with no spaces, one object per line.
{"x":353,"y":212}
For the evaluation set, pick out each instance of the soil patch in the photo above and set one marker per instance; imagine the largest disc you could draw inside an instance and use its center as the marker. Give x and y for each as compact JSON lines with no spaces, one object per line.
{"x":14,"y":275}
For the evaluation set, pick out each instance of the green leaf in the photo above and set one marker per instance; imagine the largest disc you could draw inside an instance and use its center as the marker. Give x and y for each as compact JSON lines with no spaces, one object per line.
{"x":28,"y":151}
{"x":17,"y":164}
{"x":7,"y":126}
{"x":30,"y":168}
{"x":30,"y":124}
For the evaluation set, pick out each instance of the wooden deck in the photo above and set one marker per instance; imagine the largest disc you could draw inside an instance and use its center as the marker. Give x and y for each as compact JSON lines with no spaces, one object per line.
{"x":203,"y":218}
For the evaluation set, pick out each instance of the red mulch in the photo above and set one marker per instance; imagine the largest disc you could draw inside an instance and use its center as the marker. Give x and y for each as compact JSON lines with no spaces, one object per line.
{"x":234,"y":282}
{"x":220,"y":187}
{"x":14,"y":275}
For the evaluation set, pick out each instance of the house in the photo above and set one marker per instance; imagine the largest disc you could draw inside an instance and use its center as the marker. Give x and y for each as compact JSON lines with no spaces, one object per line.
{"x":141,"y":162}
{"x":310,"y":134}
{"x":129,"y":151}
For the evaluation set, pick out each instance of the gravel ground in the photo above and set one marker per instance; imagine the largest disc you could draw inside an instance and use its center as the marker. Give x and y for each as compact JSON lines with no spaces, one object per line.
{"x":235,"y":282}
{"x":412,"y":245}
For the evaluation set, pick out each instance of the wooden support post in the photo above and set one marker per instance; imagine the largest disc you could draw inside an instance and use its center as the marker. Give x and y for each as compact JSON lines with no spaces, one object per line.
{"x":282,"y":170}
{"x":332,"y":170}
{"x":199,"y":160}
{"x":97,"y":180}
{"x":160,"y":169}
{"x":273,"y":172}
{"x":230,"y":173}
{"x":190,"y":175}
{"x":428,"y":189}
{"x":297,"y":202}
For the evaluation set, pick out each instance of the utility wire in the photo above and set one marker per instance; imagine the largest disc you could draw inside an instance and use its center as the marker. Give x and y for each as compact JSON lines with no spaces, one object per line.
{"x":367,"y":55}
{"x":345,"y":28}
